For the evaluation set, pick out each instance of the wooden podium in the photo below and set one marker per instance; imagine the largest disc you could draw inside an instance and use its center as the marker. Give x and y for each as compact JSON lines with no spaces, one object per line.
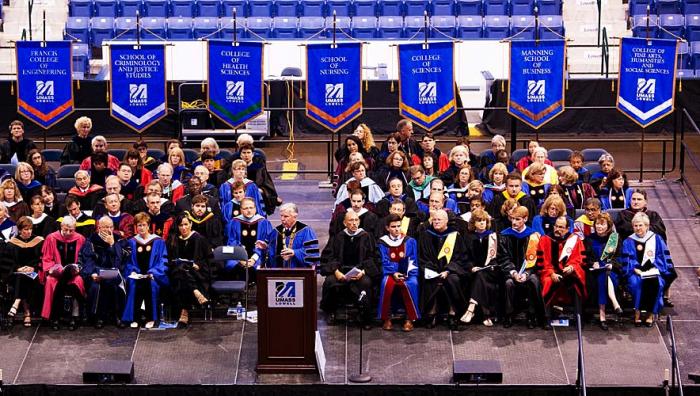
{"x":286,"y":320}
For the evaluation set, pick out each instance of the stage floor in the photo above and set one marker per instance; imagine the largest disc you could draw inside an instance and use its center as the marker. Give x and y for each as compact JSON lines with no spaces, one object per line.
{"x":224,"y":351}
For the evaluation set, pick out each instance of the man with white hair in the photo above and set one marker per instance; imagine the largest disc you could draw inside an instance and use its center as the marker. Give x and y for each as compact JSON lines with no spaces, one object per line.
{"x":59,"y":277}
{"x":87,"y":194}
{"x":80,"y":146}
{"x":488,"y":157}
{"x":208,"y":188}
{"x":99,"y":144}
{"x":293,"y":244}
{"x":172,"y":189}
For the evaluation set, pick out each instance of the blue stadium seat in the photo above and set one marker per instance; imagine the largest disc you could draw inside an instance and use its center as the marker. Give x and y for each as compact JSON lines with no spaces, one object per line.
{"x":260,"y":8}
{"x":284,"y":28}
{"x":551,"y":27}
{"x":80,"y":8}
{"x":227,"y":7}
{"x":523,"y":26}
{"x":182,"y":8}
{"x":313,"y":8}
{"x":81,"y":61}
{"x":191,"y":155}
{"x":470,"y":27}
{"x":444,"y":25}
{"x":391,"y":8}
{"x":412,"y":25}
{"x":101,"y":28}
{"x":153,"y":28}
{"x":470,"y":7}
{"x":672,"y":25}
{"x":156,"y":8}
{"x":341,"y":7}
{"x":78,"y":28}
{"x":206,"y":26}
{"x":227,"y":28}
{"x":209,"y":8}
{"x":695,"y":55}
{"x":129,"y":8}
{"x":106,"y":8}
{"x":287,"y":8}
{"x":390,"y":27}
{"x":125,"y":28}
{"x":639,"y":7}
{"x":310,"y":26}
{"x":496,"y":26}
{"x":668,"y":7}
{"x":496,"y":7}
{"x":119,"y":153}
{"x":442,"y":7}
{"x":692,"y":27}
{"x":262,"y":26}
{"x":341,"y":23}
{"x":180,"y":28}
{"x":559,"y":154}
{"x":549,"y":7}
{"x":683,"y":57}
{"x":364,"y":27}
{"x":365,"y":8}
{"x":522,"y":7}
{"x":416,"y":7}
{"x":592,"y":154}
{"x":54,"y":155}
{"x":690,"y":6}
{"x":639,"y":26}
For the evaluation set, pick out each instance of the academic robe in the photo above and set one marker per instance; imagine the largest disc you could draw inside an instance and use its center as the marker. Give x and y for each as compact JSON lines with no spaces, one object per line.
{"x":209,"y":226}
{"x":544,"y":225}
{"x":112,"y":163}
{"x":174,"y":191}
{"x":553,"y":256}
{"x":107,"y":296}
{"x":575,"y":196}
{"x":383,"y":175}
{"x":123,"y":224}
{"x":538,"y":193}
{"x":345,"y":252}
{"x":490,"y":190}
{"x":424,"y":208}
{"x":371,"y":189}
{"x":598,"y":180}
{"x":246,"y":232}
{"x":583,"y":227}
{"x":439,"y":252}
{"x":17,"y":209}
{"x":57,"y":252}
{"x":369,"y":222}
{"x":261,"y":177}
{"x":251,"y":191}
{"x":409,"y":226}
{"x":19,"y":253}
{"x":29,"y":190}
{"x":230,"y":210}
{"x":422,"y":190}
{"x":459,"y":196}
{"x":522,"y":198}
{"x":89,"y":198}
{"x":646,"y":253}
{"x":44,"y":225}
{"x":481,"y":251}
{"x":623,"y":223}
{"x":84,"y":224}
{"x":301,"y":238}
{"x":615,"y":199}
{"x":595,"y":247}
{"x":8,"y":229}
{"x":184,"y":278}
{"x":400,"y":255}
{"x":185,"y":204}
{"x":161,"y":223}
{"x":157,"y":267}
{"x":512,"y":256}
{"x":382,"y":207}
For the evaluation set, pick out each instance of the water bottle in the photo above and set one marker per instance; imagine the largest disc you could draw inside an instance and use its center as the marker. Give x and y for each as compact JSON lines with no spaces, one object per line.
{"x":239,"y":311}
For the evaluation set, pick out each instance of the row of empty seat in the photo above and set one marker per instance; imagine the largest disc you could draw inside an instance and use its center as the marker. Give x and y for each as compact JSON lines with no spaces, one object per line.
{"x":660,"y":7}
{"x":94,"y":31}
{"x":316,"y":8}
{"x":668,"y":26}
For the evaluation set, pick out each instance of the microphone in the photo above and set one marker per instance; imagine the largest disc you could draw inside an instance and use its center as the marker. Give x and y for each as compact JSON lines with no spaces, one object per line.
{"x":362,"y":296}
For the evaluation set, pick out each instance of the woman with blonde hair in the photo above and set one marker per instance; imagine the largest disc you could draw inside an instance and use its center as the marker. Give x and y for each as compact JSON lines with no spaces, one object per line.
{"x":176,"y":159}
{"x":552,"y":208}
{"x":396,"y":167}
{"x":28,"y":186}
{"x":12,"y":200}
{"x":364,"y":133}
{"x":539,"y":156}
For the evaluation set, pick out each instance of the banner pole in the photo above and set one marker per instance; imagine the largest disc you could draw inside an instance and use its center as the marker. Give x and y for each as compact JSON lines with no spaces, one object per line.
{"x":43,"y":39}
{"x":647,"y":28}
{"x":425,"y":26}
{"x":334,"y":28}
{"x":235,"y":35}
{"x":138,"y":30}
{"x":537,"y":25}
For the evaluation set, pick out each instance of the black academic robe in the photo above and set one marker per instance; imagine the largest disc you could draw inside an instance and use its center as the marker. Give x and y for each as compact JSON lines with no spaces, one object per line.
{"x":185,"y":204}
{"x":183,"y":277}
{"x":382,"y":207}
{"x":494,"y":208}
{"x":485,"y":283}
{"x":209,"y":226}
{"x":623,"y":224}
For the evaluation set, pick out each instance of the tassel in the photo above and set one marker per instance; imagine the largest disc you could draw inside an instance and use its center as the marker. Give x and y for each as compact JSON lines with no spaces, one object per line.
{"x":107,"y":94}
{"x":567,"y":84}
{"x":12,"y":88}
{"x":612,"y":85}
{"x":202,"y":86}
{"x":680,"y":85}
{"x":301,"y":90}
{"x":392,"y":85}
{"x":78,"y":84}
{"x":172,"y":88}
{"x":503,"y":86}
{"x":366,"y":85}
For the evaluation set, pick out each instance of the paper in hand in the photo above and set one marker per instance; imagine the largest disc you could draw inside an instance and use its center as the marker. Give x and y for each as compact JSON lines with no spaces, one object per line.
{"x":138,"y":276}
{"x":352,"y":273}
{"x":430,"y":274}
{"x":31,"y":275}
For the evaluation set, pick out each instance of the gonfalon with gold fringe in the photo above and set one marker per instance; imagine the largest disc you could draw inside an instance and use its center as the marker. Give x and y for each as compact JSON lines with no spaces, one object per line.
{"x":427,"y":83}
{"x":334,"y":83}
{"x":537,"y":72}
{"x":138,"y":96}
{"x":647,"y":79}
{"x":235,"y":80}
{"x":44,"y":81}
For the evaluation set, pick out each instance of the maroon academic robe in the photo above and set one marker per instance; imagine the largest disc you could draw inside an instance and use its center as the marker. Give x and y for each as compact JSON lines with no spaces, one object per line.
{"x":57,"y":252}
{"x":549,"y":250}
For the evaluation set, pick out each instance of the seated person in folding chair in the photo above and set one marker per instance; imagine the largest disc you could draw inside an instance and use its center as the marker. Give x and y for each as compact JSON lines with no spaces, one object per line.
{"x":146,"y":273}
{"x":232,"y":208}
{"x":84,"y":224}
{"x":195,"y":187}
{"x":239,"y":173}
{"x":563,"y":275}
{"x":101,"y":261}
{"x":645,"y":260}
{"x":399,"y":260}
{"x":409,"y":225}
{"x":190,"y":272}
{"x":88,"y":195}
{"x":441,"y":258}
{"x":205,"y":221}
{"x":293,"y":244}
{"x":61,"y":249}
{"x":253,"y":232}
{"x":122,"y":222}
{"x":349,"y":265}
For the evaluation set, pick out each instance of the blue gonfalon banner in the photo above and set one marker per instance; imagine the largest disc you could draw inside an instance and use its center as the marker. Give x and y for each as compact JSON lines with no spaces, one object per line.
{"x":334,"y":83}
{"x":138,"y":86}
{"x":235,"y":80}
{"x":44,"y":81}
{"x":647,"y":79}
{"x":427,"y":83}
{"x":536,"y":89}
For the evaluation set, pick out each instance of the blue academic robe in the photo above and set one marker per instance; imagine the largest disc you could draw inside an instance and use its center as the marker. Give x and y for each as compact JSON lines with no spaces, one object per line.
{"x":408,"y":264}
{"x":251,"y":191}
{"x":263,"y":233}
{"x":661,"y":261}
{"x":539,"y":222}
{"x":304,"y":244}
{"x":450,"y":204}
{"x":157,"y":266}
{"x":605,"y":203}
{"x":596,"y":244}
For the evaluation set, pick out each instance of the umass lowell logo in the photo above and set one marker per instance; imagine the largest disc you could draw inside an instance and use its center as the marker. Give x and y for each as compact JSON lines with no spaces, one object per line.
{"x":44,"y":91}
{"x":138,"y":94}
{"x":535,"y":91}
{"x":646,"y":89}
{"x":285,"y":293}
{"x":334,"y":94}
{"x":427,"y":92}
{"x":235,"y":91}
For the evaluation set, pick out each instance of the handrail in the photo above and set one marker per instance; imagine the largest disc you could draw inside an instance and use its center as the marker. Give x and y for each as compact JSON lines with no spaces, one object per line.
{"x":581,"y":368}
{"x":675,"y":371}
{"x":605,"y":59}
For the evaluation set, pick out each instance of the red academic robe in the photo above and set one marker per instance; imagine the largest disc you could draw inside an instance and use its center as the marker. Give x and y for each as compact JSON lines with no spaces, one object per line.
{"x":548,"y":252}
{"x":52,"y":259}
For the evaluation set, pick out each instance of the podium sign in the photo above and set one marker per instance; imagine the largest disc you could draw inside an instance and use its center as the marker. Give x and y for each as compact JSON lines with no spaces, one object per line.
{"x":286,"y":320}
